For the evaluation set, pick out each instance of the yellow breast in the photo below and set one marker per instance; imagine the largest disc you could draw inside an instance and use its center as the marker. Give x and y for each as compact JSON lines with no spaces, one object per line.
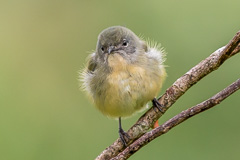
{"x":128,"y":88}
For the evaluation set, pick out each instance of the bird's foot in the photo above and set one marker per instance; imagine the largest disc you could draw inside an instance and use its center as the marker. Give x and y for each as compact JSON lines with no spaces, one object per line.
{"x":123,"y":135}
{"x":157,"y":105}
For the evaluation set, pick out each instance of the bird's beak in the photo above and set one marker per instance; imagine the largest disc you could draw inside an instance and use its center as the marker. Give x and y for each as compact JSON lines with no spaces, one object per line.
{"x":111,"y":49}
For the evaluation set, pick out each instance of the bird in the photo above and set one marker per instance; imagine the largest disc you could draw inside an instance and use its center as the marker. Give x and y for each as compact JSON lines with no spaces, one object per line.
{"x":123,"y":74}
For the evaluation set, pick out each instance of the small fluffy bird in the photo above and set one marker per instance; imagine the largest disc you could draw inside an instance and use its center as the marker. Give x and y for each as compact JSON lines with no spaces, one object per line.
{"x":123,"y":74}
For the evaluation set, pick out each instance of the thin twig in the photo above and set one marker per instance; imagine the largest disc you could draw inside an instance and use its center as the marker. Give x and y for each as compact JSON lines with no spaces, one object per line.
{"x":171,"y":95}
{"x":184,"y":115}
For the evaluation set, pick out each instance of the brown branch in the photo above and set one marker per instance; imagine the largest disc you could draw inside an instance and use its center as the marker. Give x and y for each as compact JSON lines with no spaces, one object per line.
{"x":171,"y":95}
{"x":184,"y":115}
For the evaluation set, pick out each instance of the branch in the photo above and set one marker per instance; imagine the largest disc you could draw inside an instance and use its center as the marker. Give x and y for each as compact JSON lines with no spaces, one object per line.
{"x":184,"y":115}
{"x":171,"y":95}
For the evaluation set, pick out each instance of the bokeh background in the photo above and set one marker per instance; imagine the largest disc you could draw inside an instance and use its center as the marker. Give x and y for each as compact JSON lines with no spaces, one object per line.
{"x":43,"y":45}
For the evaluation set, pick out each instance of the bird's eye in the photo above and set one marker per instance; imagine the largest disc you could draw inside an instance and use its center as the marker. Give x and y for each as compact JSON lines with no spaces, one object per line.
{"x":125,"y":43}
{"x":102,"y":48}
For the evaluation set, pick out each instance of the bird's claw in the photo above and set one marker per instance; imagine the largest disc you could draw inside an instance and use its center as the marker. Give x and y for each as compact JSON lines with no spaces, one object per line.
{"x":157,"y":105}
{"x":122,"y":135}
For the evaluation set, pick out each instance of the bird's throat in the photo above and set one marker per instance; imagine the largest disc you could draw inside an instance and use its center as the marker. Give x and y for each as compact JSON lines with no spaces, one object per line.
{"x":116,"y":62}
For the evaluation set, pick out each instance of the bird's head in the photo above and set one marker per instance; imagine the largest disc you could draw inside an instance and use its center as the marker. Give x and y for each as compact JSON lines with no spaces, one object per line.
{"x":119,"y":40}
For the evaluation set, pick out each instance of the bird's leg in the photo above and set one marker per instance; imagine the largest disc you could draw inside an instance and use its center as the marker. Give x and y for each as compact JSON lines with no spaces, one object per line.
{"x":157,"y":105}
{"x":122,"y":133}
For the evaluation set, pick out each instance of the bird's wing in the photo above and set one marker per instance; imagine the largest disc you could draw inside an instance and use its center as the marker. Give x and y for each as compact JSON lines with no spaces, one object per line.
{"x":92,"y":63}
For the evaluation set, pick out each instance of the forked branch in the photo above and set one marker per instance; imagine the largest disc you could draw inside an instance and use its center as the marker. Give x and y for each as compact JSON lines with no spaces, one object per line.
{"x":184,"y":115}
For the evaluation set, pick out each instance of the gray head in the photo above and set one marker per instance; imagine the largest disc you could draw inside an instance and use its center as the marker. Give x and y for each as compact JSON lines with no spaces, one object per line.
{"x":119,"y":40}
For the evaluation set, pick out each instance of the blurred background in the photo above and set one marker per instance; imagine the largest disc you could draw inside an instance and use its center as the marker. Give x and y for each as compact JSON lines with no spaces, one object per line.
{"x":43,"y":45}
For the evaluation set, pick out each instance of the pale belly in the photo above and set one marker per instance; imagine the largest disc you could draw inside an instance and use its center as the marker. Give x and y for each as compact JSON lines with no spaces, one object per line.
{"x":126,"y":92}
{"x":127,"y":89}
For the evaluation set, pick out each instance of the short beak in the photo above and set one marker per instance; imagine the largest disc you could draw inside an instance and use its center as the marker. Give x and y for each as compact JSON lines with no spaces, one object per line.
{"x":111,"y":49}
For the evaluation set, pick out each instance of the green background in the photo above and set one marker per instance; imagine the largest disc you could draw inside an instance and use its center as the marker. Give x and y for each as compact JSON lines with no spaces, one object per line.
{"x":43,"y":45}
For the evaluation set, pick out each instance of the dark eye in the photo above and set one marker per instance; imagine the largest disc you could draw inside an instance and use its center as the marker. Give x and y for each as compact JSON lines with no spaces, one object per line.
{"x":125,"y":43}
{"x":102,"y":48}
